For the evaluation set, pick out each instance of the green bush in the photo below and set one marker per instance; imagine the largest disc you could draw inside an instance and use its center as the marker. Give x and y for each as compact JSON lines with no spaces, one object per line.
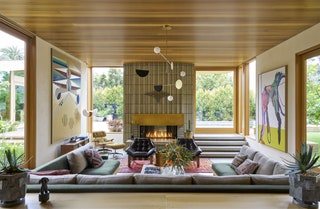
{"x":6,"y":126}
{"x":5,"y":145}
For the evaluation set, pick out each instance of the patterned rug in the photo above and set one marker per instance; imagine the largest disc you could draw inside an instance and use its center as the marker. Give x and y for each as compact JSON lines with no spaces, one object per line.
{"x":136,"y":166}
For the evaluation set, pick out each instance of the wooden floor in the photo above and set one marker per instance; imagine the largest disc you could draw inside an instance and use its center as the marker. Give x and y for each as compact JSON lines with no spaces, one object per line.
{"x":160,"y":201}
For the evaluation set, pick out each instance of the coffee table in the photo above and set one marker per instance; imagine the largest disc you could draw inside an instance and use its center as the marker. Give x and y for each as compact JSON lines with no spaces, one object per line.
{"x":152,"y":169}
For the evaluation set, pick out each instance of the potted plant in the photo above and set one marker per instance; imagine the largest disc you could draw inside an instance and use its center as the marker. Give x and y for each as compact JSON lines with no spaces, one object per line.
{"x":304,"y":181}
{"x":188,"y":132}
{"x":13,"y":179}
{"x":176,"y":157}
{"x":115,"y":125}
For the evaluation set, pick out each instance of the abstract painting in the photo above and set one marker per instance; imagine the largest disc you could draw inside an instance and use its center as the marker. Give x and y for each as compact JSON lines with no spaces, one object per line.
{"x":66,"y":86}
{"x":272,"y":109}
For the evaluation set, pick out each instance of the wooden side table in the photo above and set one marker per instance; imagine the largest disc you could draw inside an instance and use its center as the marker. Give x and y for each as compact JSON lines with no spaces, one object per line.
{"x":68,"y":147}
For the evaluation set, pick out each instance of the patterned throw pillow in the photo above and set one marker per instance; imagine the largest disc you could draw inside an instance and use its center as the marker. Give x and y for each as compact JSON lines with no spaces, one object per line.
{"x":247,"y":167}
{"x":238,"y":160}
{"x":93,"y":157}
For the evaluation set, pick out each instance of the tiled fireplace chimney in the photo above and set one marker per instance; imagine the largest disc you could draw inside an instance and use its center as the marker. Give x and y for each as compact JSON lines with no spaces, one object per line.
{"x":140,"y":96}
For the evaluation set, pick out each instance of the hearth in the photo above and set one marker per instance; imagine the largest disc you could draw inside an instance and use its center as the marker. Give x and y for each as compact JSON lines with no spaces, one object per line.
{"x":158,"y":132}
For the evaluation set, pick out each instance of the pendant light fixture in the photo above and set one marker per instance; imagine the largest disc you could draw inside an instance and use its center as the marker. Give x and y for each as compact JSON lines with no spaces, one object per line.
{"x":178,"y":84}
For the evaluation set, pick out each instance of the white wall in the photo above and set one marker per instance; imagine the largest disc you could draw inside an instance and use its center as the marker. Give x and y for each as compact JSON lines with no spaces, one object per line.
{"x":280,"y":55}
{"x":45,"y":151}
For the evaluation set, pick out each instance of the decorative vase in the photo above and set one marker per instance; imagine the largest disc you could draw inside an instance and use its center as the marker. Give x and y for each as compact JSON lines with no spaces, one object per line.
{"x":188,"y":134}
{"x":160,"y":158}
{"x":177,"y":170}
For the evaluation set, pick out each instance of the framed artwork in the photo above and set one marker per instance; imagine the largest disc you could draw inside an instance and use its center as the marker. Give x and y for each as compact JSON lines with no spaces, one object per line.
{"x":66,"y":86}
{"x":272,"y":109}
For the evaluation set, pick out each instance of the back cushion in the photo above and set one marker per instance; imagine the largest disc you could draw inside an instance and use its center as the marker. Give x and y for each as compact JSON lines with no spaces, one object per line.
{"x":77,"y":160}
{"x":209,"y":180}
{"x":266,"y":165}
{"x":250,"y":152}
{"x":279,"y":169}
{"x":161,"y":179}
{"x":105,"y":179}
{"x":269,"y":179}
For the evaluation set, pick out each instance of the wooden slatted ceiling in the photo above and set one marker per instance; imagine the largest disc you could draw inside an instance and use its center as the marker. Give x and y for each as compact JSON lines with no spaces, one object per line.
{"x":205,"y":32}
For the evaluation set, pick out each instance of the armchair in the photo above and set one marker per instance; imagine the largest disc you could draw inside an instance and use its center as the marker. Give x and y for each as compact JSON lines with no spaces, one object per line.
{"x":191,"y":145}
{"x":141,"y":148}
{"x":100,"y":140}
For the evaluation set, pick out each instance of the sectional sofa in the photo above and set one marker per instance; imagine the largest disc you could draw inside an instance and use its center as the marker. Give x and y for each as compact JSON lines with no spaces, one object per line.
{"x":273,"y":182}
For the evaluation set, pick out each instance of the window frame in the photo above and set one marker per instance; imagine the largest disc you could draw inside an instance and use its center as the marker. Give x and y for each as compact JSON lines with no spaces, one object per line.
{"x":215,"y":130}
{"x":301,"y":97}
{"x":30,"y":88}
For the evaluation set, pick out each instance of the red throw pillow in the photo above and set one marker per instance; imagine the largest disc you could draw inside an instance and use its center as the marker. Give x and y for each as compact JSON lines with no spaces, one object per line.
{"x":50,"y":172}
{"x":93,"y":157}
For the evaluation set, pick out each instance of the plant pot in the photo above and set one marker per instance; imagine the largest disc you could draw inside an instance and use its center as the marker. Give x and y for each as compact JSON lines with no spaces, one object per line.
{"x":305,"y":190}
{"x":160,"y":159}
{"x":115,"y":129}
{"x":13,"y":188}
{"x":188,"y":134}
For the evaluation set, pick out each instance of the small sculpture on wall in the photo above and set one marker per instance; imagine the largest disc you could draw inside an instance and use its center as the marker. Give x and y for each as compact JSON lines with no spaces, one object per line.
{"x":44,"y":192}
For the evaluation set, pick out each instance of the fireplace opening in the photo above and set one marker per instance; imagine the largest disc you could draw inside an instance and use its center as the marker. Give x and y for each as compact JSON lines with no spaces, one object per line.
{"x":158,"y":132}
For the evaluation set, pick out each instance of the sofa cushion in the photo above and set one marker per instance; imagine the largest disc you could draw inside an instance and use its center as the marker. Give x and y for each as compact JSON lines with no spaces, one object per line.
{"x":279,"y":169}
{"x":59,"y":179}
{"x":266,"y":164}
{"x":247,"y":167}
{"x":250,"y":152}
{"x":280,"y":179}
{"x":76,"y":159}
{"x":223,"y":169}
{"x":93,"y":157}
{"x":237,"y":160}
{"x":103,"y":179}
{"x":234,"y":179}
{"x":109,"y":167}
{"x":162,"y":179}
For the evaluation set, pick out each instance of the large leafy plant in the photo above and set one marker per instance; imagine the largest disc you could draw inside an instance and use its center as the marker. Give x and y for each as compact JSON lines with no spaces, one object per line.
{"x":304,"y":161}
{"x":11,"y":162}
{"x":177,"y":155}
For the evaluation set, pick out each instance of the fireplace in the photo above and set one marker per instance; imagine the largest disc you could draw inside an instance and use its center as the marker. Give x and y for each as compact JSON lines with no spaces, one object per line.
{"x":158,"y":126}
{"x":159,"y":132}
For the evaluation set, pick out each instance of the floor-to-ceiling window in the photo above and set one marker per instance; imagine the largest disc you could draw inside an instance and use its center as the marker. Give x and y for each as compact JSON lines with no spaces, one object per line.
{"x":18,"y":90}
{"x":215,"y":101}
{"x":307,"y":97}
{"x":313,"y":100}
{"x":12,"y":92}
{"x":107,"y":99}
{"x":252,"y":97}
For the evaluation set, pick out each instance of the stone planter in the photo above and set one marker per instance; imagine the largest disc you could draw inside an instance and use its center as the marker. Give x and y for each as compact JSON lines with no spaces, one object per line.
{"x":305,"y":190}
{"x":13,"y":188}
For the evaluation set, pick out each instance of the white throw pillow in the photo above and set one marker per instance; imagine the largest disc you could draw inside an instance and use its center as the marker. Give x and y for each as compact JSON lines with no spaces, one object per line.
{"x":77,"y":161}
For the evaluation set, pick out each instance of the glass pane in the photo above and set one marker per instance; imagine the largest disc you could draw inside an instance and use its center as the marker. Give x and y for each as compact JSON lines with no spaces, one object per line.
{"x":252,"y":97}
{"x":107,"y":99}
{"x":12,"y":92}
{"x":214,"y":99}
{"x":313,"y":102}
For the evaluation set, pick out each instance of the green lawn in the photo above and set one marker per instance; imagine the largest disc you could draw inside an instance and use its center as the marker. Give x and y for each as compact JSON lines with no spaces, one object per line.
{"x":314,"y":137}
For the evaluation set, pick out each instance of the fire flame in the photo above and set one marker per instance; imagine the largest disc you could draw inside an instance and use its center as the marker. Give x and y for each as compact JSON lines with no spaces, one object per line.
{"x":159,"y":135}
